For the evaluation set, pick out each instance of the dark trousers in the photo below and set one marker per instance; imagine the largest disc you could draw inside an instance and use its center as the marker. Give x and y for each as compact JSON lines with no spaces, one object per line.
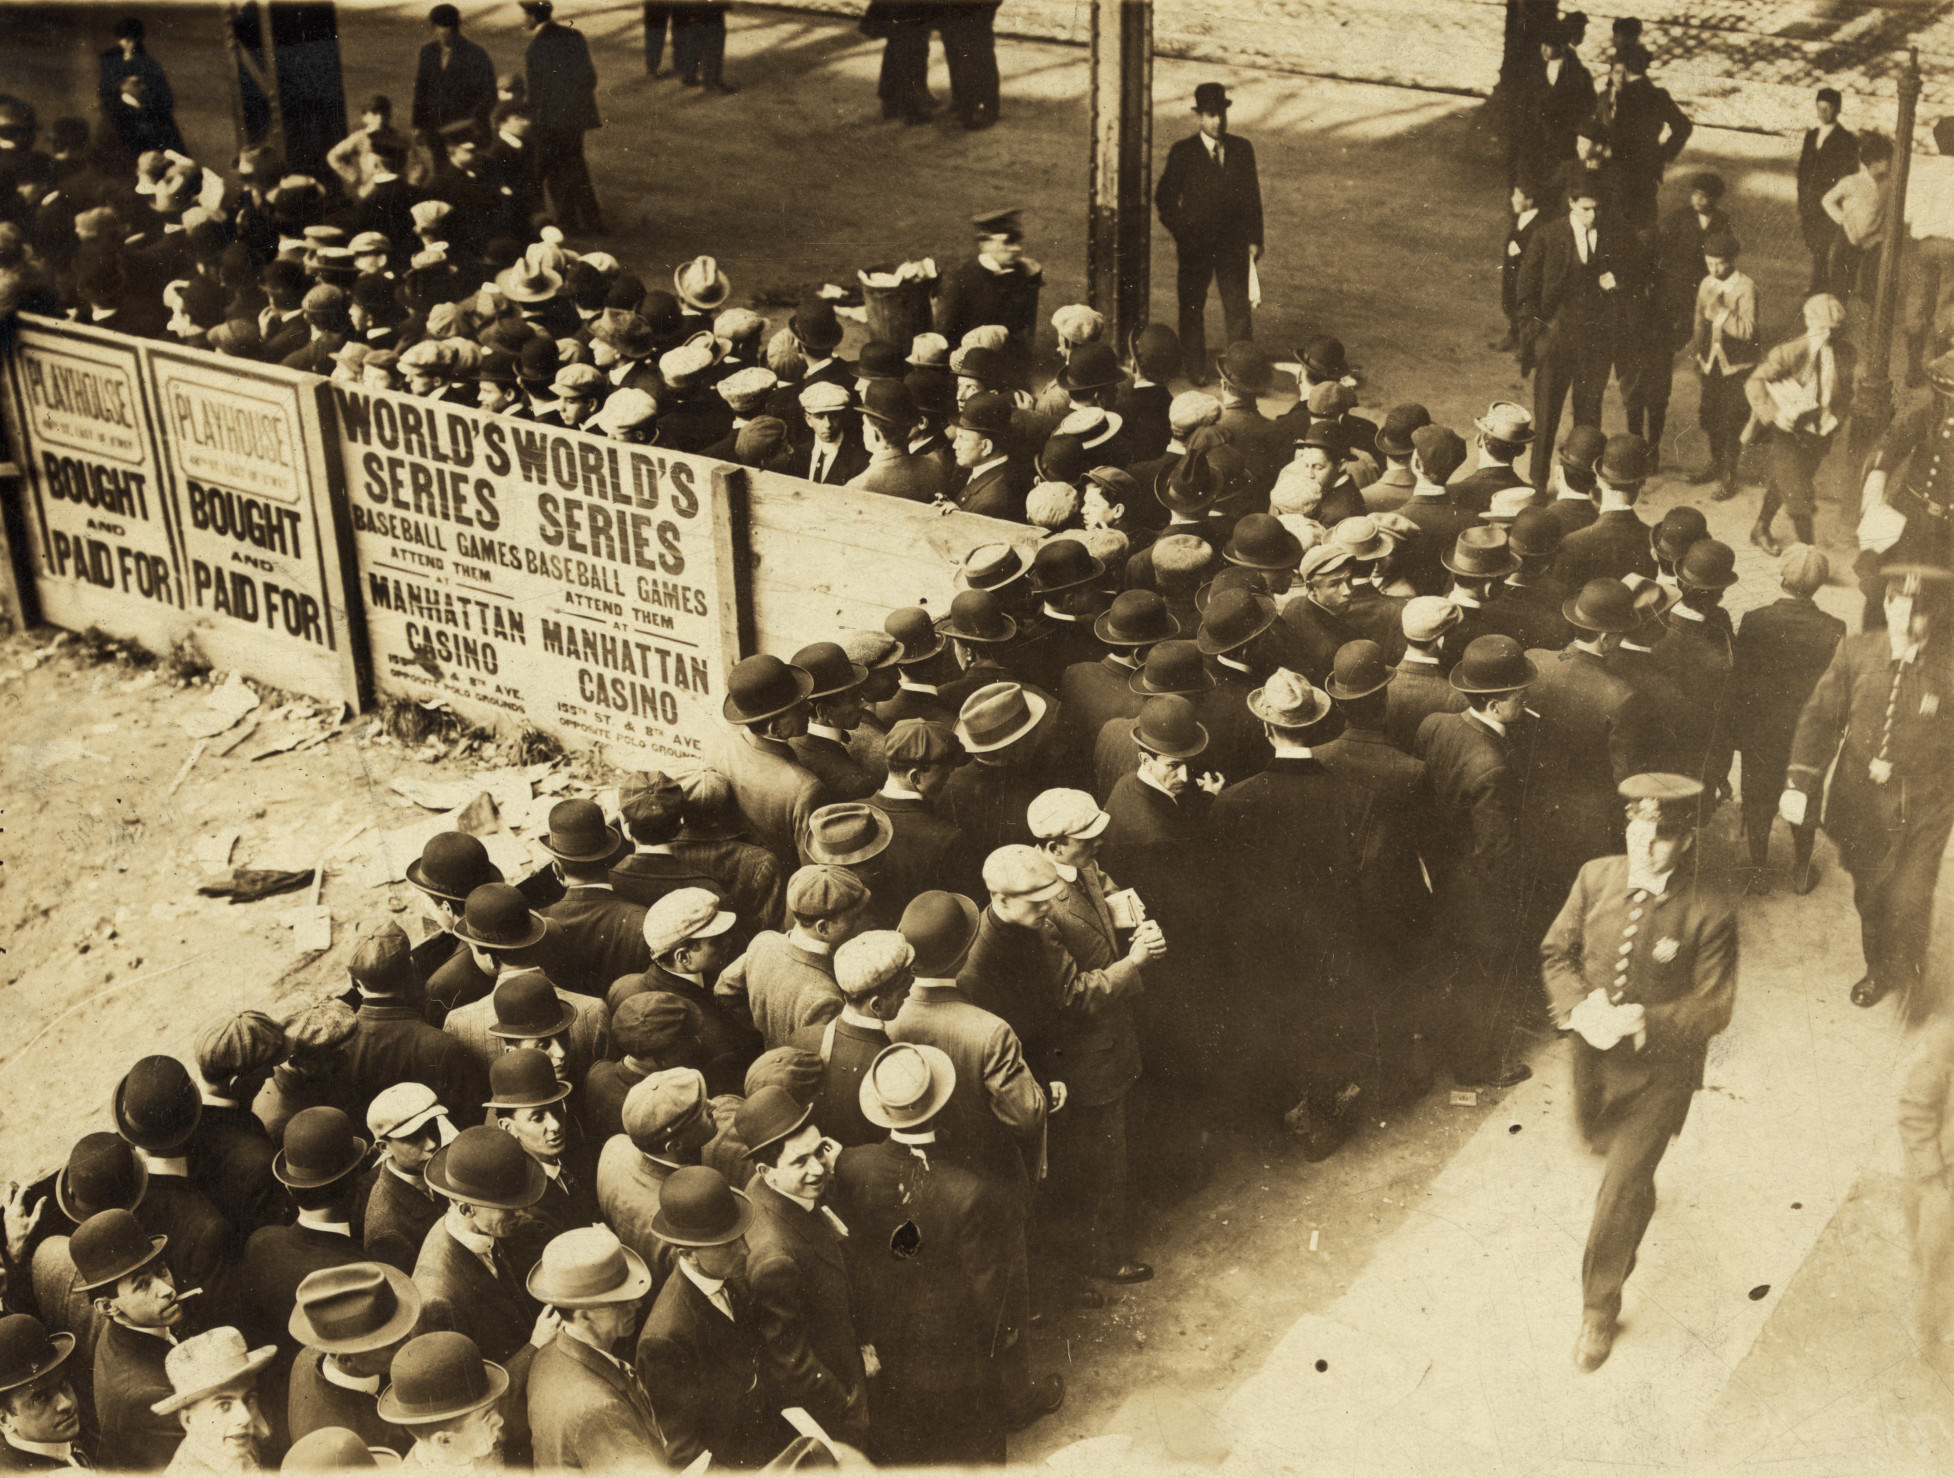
{"x":1089,"y":1227}
{"x":562,"y":171}
{"x":656,"y":19}
{"x":904,"y":83}
{"x":1892,"y":845}
{"x":1791,"y":467}
{"x":699,"y":43}
{"x":1634,"y":1134}
{"x":1721,"y":413}
{"x":1227,"y":268}
{"x":1567,"y":361}
{"x":970,"y":47}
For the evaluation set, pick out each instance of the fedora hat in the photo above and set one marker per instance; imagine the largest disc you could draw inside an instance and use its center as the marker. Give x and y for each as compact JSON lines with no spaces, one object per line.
{"x":1359,"y":670}
{"x":1289,"y":701}
{"x":320,"y":1147}
{"x":103,"y":1173}
{"x":1172,"y":667}
{"x":156,"y":1106}
{"x":111,"y":1245}
{"x":1652,"y":603}
{"x":1394,"y":436}
{"x":696,"y":1208}
{"x":1601,"y":605}
{"x":1710,"y":564}
{"x":769,"y":1116}
{"x":496,"y":916}
{"x":207,"y":1363}
{"x":1244,"y":366}
{"x":1167,"y":727}
{"x":1260,"y":542}
{"x":918,"y":635}
{"x":764,"y":687}
{"x":527,"y":282}
{"x":940,"y":928}
{"x":1480,"y":554}
{"x":482,"y":1166}
{"x":1136,"y":618}
{"x":701,"y":284}
{"x":524,"y":1079}
{"x":992,"y":566}
{"x":438,"y":1377}
{"x":1361,"y":535}
{"x":528,"y":1007}
{"x":355,"y":1308}
{"x":586,"y":1267}
{"x":829,"y":667}
{"x":1091,"y":367}
{"x":845,"y":833}
{"x":975,"y":616}
{"x":907,"y":1084}
{"x":28,"y":1351}
{"x":1064,"y":564}
{"x":1493,"y":664}
{"x":997,"y":715}
{"x":1505,"y":421}
{"x":579,"y":833}
{"x":1234,"y":618}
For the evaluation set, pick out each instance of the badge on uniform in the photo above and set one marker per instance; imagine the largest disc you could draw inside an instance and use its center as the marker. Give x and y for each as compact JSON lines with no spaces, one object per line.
{"x":1929,"y":705}
{"x":1665,"y":950}
{"x":1881,"y":771}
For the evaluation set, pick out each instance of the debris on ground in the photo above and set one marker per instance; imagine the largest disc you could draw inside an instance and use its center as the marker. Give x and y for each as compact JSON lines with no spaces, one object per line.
{"x":248,"y":884}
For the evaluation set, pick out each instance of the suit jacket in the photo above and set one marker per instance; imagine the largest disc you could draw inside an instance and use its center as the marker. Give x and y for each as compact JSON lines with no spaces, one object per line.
{"x":1573,"y":514}
{"x":1615,"y":545}
{"x":1144,"y":410}
{"x":1029,"y":977}
{"x":850,"y":458}
{"x":999,"y":492}
{"x":1208,"y":208}
{"x":315,"y":1402}
{"x":629,"y":1185}
{"x":1099,"y":1046}
{"x":1475,"y":490}
{"x":781,"y":987}
{"x":798,"y":1277}
{"x":129,"y":1378}
{"x":230,"y":1162}
{"x":776,"y":792}
{"x":398,"y":1218}
{"x":709,"y":1373}
{"x":645,"y":877}
{"x":926,"y":851}
{"x":1793,"y":360}
{"x":1696,"y":656}
{"x":726,"y":1043}
{"x":1267,"y":447}
{"x":834,"y":766}
{"x":901,"y":475}
{"x":1926,"y":1129}
{"x":587,"y":1041}
{"x":589,"y":1412}
{"x":1392,"y":796}
{"x":203,"y":1246}
{"x":276,"y":1261}
{"x":987,"y":802}
{"x":393,"y":1044}
{"x":1594,"y":732}
{"x":1560,"y":297}
{"x":1558,"y":109}
{"x":1781,"y":652}
{"x":1518,"y":238}
{"x":465,"y":88}
{"x":1318,"y":634}
{"x":604,"y":937}
{"x":1477,"y":779}
{"x":562,"y":81}
{"x":1648,"y":130}
{"x":838,"y":1096}
{"x":972,"y":295}
{"x":19,"y":1460}
{"x":1440,"y":521}
{"x":493,"y":1309}
{"x":1091,"y":695}
{"x":995,"y":1120}
{"x":1820,"y":167}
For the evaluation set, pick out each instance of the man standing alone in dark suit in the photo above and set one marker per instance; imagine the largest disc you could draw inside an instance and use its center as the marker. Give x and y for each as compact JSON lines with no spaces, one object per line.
{"x":1830,"y":153}
{"x":1210,"y":201}
{"x":562,"y":85}
{"x":1566,"y":320}
{"x":455,"y":80}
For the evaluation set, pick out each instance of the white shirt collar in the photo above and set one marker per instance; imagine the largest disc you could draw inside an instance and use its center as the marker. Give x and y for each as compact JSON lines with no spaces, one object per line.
{"x":865,"y":1021}
{"x":1066,"y":870}
{"x":319,"y":1221}
{"x":213,"y":1099}
{"x":1287,"y":751}
{"x":1145,"y":779}
{"x":896,"y":790}
{"x":916,"y":687}
{"x":1465,"y":599}
{"x":1425,"y":489}
{"x":803,"y":940}
{"x":1686,"y":613}
{"x":1525,"y":218}
{"x":417,"y":1182}
{"x":1488,"y":720}
{"x":828,"y":731}
{"x":1055,"y":615}
{"x":333,"y":1376}
{"x":467,"y":1236}
{"x":713,"y":1288}
{"x":1420,"y":658}
{"x":653,"y":849}
{"x":1227,"y":661}
{"x":60,"y":1451}
{"x":177,"y":1165}
{"x":1657,"y":883}
{"x":982,"y":467}
{"x":933,"y":982}
{"x":1902,"y":649}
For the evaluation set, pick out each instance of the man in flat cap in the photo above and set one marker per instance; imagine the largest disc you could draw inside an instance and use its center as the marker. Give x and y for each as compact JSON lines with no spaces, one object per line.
{"x":785,"y":983}
{"x":1210,"y":201}
{"x":392,"y":1041}
{"x":667,"y":1122}
{"x":834,"y":453}
{"x":230,"y":1154}
{"x":1885,"y":708}
{"x":1641,"y":965}
{"x":691,"y":937}
{"x":1799,"y":393}
{"x":408,"y":1124}
{"x":872,"y":971}
{"x":999,"y":284}
{"x":926,"y":849}
{"x":651,"y":1031}
{"x":652,"y":808}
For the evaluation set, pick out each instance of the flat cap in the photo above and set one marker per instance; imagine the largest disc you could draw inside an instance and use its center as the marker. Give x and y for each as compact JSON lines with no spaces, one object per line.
{"x":663,"y":1103}
{"x":869,"y":962}
{"x":824,"y":398}
{"x":821,"y":892}
{"x":649,"y":798}
{"x":1190,"y":411}
{"x":682,"y":914}
{"x":914,"y":742}
{"x":1078,"y":323}
{"x":1066,"y":813}
{"x":653,"y":1022}
{"x":796,"y":1069}
{"x":1018,"y":871}
{"x":383,"y":963}
{"x":1804,"y":569}
{"x":236,"y":1046}
{"x":746,"y":390}
{"x":1428,"y":617}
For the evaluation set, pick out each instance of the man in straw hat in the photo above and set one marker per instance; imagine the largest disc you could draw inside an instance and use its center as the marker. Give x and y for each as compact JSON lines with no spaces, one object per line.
{"x":455,"y":1403}
{"x":1503,"y":435}
{"x":214,"y":1397}
{"x":1641,"y":965}
{"x":350,"y":1322}
{"x":40,"y":1417}
{"x":587,"y":1408}
{"x":1885,"y":709}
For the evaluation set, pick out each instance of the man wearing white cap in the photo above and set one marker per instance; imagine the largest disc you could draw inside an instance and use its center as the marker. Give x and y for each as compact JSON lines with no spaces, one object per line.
{"x":587,"y":1408}
{"x":691,"y":939}
{"x":835,"y":454}
{"x":409,"y":1124}
{"x":873,"y":973}
{"x":1419,"y":689}
{"x":214,"y":1393}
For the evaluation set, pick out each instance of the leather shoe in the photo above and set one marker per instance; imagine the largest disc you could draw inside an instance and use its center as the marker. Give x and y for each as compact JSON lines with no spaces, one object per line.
{"x":1868,"y":992}
{"x":1504,"y":1077}
{"x":1761,"y":537}
{"x":1044,"y":1396}
{"x":1130,"y":1271}
{"x":1596,"y":1340}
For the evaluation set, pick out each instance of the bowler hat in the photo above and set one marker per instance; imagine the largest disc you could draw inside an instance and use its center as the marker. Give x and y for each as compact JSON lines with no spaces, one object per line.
{"x":1289,"y":701}
{"x":997,"y":715}
{"x":889,"y":402}
{"x":1233,"y":619}
{"x":920,"y":639}
{"x":334,"y":1450}
{"x":815,"y":325}
{"x":1624,"y":461}
{"x":524,"y":1079}
{"x":320,"y":1147}
{"x":438,"y":1377}
{"x":1211,"y":467}
{"x":156,"y":1106}
{"x":1535,"y":533}
{"x":496,"y":916}
{"x":1211,"y":97}
{"x":351,"y":1309}
{"x":940,"y":928}
{"x":1583,"y":447}
{"x":981,"y":363}
{"x":1172,"y":667}
{"x":1136,"y":618}
{"x":845,"y":833}
{"x":1710,"y":564}
{"x":528,"y":1008}
{"x":1063,"y":564}
{"x":829,"y":667}
{"x":111,"y":1245}
{"x":1091,"y":367}
{"x":696,"y":1208}
{"x":1394,"y":436}
{"x":1260,"y":542}
{"x":880,"y":360}
{"x":28,"y":1351}
{"x":1601,"y":605}
{"x":1063,"y":458}
{"x":1680,"y":529}
{"x":103,"y":1173}
{"x":1167,"y":727}
{"x":1493,"y":664}
{"x":1324,"y":357}
{"x":769,"y":1116}
{"x":906,"y":1084}
{"x":586,"y":1267}
{"x":482,"y":1166}
{"x":579,"y":833}
{"x":1358,"y":671}
{"x":988,"y":413}
{"x":1480,"y":554}
{"x":763,"y":687}
{"x":452,"y":865}
{"x":1246,"y":367}
{"x":207,"y":1363}
{"x":975,"y":616}
{"x":934,"y":391}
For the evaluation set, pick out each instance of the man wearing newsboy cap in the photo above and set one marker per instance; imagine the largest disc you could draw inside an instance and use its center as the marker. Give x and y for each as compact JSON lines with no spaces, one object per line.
{"x":785,"y":983}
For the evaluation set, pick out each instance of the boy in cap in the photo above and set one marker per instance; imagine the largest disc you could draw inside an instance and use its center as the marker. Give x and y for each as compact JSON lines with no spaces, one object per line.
{"x":408,"y":1123}
{"x":691,"y":938}
{"x":872,"y":971}
{"x":1798,"y":394}
{"x":713,"y":838}
{"x":1641,"y":964}
{"x":1419,"y":688}
{"x":926,"y":849}
{"x":785,"y":983}
{"x":651,"y":1031}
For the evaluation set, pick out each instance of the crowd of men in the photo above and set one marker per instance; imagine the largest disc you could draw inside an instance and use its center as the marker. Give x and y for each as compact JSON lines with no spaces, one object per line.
{"x":1289,"y":758}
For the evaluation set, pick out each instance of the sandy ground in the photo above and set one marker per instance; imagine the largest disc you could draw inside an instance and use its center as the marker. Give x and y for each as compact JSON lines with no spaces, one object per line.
{"x":1439,"y":1227}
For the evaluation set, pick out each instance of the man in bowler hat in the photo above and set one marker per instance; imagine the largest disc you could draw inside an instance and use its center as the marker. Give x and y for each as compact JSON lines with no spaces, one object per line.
{"x":1210,"y":201}
{"x":121,"y":1267}
{"x":40,"y":1419}
{"x":603,"y":934}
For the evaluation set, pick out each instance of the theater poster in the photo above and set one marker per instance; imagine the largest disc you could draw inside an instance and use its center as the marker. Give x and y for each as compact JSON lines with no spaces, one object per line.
{"x":540,"y":577}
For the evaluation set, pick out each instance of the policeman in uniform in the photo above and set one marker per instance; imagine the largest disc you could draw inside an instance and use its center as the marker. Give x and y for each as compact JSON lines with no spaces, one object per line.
{"x":999,"y":284}
{"x":1641,"y":965}
{"x":1889,"y":696}
{"x":1922,"y":442}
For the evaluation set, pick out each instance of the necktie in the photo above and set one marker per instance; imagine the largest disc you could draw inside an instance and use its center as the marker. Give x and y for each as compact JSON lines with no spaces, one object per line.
{"x":1882,"y":766}
{"x":820,"y":469}
{"x":1217,"y":156}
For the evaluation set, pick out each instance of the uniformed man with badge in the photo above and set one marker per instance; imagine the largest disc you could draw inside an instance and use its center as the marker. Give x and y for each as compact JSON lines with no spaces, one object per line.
{"x":1885,"y":708}
{"x":1908,"y":516}
{"x":1641,"y":965}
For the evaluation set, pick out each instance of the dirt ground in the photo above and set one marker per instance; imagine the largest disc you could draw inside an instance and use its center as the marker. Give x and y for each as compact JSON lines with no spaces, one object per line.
{"x":1385,"y":216}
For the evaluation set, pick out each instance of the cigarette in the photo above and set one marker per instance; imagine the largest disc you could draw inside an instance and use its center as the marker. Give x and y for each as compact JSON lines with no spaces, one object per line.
{"x":183,"y":1293}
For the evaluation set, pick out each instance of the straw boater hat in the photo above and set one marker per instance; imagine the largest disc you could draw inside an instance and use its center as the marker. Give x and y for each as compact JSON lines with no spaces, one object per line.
{"x":207,"y":1363}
